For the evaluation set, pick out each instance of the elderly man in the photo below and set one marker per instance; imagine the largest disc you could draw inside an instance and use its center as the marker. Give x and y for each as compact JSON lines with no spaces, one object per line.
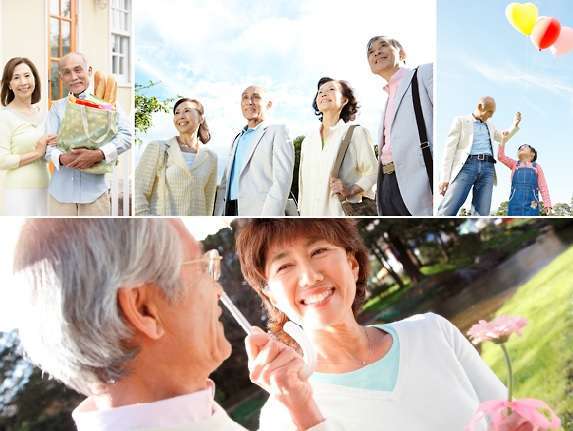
{"x":126,"y":312}
{"x":259,"y":170}
{"x":469,"y":160}
{"x":71,"y":191}
{"x":405,"y":145}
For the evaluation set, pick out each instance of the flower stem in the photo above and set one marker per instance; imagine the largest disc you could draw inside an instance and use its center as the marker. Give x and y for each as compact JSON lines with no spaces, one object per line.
{"x":509,"y":372}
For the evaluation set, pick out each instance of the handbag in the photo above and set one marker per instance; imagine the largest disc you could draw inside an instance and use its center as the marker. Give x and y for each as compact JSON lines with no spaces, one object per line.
{"x":422,"y":133}
{"x":291,"y":209}
{"x":87,"y":127}
{"x":368,"y":206}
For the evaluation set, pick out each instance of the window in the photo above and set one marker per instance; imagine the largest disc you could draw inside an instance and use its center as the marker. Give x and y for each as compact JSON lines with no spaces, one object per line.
{"x":121,"y":39}
{"x":62,"y":40}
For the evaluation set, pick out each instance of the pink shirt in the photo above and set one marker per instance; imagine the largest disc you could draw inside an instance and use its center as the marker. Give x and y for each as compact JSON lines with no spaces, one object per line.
{"x":172,"y":412}
{"x":391,"y":88}
{"x":541,"y":183}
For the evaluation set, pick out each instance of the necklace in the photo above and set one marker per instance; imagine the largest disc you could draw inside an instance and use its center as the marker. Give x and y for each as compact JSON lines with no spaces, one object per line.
{"x":185,"y":147}
{"x":367,"y":361}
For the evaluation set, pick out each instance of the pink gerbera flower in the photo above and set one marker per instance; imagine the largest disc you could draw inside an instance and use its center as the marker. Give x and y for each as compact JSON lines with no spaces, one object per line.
{"x":498,"y":330}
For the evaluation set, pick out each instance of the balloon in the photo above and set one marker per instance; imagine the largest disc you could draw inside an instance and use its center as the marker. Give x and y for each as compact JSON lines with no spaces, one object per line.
{"x":564,"y":44}
{"x":545,"y":32}
{"x":522,"y":16}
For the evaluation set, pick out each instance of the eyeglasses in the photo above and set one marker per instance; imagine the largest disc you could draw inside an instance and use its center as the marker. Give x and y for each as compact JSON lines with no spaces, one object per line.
{"x":212,"y":259}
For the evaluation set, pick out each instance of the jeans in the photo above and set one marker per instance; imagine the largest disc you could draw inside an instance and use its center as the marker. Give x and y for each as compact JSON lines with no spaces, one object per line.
{"x":478,"y":174}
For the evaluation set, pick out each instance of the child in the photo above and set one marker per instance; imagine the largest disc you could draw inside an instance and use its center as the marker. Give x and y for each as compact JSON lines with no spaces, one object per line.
{"x":527,"y":180}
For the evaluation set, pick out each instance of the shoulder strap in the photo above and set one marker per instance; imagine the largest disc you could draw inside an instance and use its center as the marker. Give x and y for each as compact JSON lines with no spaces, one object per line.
{"x":342,"y":151}
{"x":424,"y":144}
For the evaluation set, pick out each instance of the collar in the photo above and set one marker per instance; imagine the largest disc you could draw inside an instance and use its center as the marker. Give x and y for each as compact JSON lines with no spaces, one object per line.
{"x":83,"y":95}
{"x":478,"y":120}
{"x":172,"y":412}
{"x":396,"y":77}
{"x":257,"y":127}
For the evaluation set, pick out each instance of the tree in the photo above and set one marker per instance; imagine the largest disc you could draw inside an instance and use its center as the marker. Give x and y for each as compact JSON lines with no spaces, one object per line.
{"x":502,"y":210}
{"x":297,"y":145}
{"x":145,"y":107}
{"x":562,"y":209}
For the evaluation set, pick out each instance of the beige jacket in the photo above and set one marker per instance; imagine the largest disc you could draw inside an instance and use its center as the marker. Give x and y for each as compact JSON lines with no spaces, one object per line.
{"x":165,"y":186}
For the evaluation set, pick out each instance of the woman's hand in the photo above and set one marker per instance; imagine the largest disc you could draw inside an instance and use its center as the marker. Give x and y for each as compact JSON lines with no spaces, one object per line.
{"x":504,"y":137}
{"x":338,"y":187}
{"x":279,"y":370}
{"x":43,"y":142}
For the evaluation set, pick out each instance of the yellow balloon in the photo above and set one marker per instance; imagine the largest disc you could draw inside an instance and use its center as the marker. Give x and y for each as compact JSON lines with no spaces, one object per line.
{"x":522,"y":16}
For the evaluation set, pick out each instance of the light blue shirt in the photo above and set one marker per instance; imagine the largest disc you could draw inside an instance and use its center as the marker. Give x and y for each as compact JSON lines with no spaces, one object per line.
{"x":378,"y":376}
{"x":242,"y":149}
{"x":482,"y":142}
{"x":189,"y":158}
{"x":72,"y":185}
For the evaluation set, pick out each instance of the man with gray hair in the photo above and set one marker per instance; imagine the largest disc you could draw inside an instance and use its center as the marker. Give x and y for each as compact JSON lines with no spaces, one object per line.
{"x":405,"y":171}
{"x":72,"y":192}
{"x":260,"y":167}
{"x":126,"y":312}
{"x":469,"y":161}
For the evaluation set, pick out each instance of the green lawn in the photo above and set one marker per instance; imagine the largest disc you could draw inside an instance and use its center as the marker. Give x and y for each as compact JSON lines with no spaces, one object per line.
{"x":543,"y":356}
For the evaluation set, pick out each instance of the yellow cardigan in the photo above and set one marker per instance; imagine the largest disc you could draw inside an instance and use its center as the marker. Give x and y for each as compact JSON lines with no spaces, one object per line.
{"x":166,"y":186}
{"x":18,"y":136}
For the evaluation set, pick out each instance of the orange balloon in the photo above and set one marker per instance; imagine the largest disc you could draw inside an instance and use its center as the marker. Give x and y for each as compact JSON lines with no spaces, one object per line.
{"x":545,"y":32}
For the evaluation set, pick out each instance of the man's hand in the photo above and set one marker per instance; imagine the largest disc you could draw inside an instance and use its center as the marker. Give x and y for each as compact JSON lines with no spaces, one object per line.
{"x":338,"y":187}
{"x":443,"y":187}
{"x":83,"y":158}
{"x":517,"y":119}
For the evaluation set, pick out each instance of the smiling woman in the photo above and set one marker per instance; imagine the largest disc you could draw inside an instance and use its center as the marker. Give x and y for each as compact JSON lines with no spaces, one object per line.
{"x":418,"y":373}
{"x":22,"y":141}
{"x":178,"y":176}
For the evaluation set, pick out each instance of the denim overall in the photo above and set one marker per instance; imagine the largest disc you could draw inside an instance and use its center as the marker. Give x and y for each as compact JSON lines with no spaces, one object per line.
{"x":524,"y":198}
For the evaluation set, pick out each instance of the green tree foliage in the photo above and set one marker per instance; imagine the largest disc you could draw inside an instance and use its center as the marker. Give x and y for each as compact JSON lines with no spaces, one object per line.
{"x":297,"y":145}
{"x":145,"y":107}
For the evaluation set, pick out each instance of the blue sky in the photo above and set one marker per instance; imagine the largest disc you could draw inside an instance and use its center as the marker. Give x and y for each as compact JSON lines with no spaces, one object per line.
{"x":480,"y":53}
{"x":213,"y":50}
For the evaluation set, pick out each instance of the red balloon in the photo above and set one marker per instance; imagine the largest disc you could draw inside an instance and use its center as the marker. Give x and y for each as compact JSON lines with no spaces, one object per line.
{"x":545,"y":32}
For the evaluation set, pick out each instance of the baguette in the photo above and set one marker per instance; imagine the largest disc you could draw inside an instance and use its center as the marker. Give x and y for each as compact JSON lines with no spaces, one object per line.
{"x":99,"y":84}
{"x":109,"y":85}
{"x":113,"y":96}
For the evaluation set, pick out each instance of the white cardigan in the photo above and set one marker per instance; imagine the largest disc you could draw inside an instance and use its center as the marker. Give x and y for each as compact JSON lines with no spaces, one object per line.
{"x":441,"y":381}
{"x":358,"y":167}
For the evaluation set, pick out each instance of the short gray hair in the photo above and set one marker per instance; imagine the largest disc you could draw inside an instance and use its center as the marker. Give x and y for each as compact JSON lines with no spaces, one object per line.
{"x":70,"y":54}
{"x":71,"y":270}
{"x":389,"y":40}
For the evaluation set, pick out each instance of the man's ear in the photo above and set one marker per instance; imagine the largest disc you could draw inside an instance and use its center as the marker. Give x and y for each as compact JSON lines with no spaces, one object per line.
{"x":269,"y":104}
{"x":140,"y":309}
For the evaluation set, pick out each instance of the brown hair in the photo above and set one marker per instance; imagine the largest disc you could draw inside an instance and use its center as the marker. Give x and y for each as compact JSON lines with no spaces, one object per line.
{"x":349,"y":110}
{"x":7,"y":95}
{"x":256,"y":236}
{"x":204,"y":134}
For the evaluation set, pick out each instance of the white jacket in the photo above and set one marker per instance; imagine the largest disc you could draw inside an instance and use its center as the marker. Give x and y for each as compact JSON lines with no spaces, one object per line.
{"x":459,"y":145}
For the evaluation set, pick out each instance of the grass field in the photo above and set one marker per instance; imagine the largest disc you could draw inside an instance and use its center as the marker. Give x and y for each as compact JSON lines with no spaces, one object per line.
{"x":543,"y":356}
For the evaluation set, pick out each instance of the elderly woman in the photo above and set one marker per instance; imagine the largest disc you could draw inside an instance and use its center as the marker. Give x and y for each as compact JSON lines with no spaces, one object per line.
{"x":323,"y":184}
{"x":126,"y":312}
{"x":22,"y":141}
{"x":178,"y":176}
{"x":415,"y":374}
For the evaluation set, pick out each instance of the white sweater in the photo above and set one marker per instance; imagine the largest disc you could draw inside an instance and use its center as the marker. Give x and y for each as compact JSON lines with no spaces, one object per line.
{"x":441,"y":381}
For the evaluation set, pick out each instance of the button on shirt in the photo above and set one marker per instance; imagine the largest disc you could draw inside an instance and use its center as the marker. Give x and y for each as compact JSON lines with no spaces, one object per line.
{"x":72,"y":185}
{"x":242,"y":150}
{"x":391,"y":88}
{"x":481,"y":141}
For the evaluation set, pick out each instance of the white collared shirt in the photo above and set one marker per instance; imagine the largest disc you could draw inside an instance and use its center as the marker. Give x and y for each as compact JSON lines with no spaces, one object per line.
{"x":170,"y":413}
